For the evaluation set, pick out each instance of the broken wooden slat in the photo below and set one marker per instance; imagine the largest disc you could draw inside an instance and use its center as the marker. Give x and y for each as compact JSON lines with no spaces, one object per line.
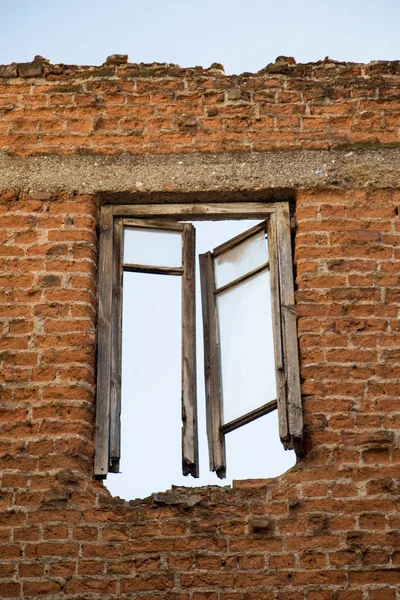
{"x":190,"y":459}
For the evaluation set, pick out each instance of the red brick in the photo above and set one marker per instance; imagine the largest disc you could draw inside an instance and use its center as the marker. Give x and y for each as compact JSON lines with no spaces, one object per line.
{"x":378,"y":593}
{"x":349,"y":595}
{"x":35,"y":588}
{"x":152,"y":582}
{"x":10,"y":589}
{"x":31,"y":570}
{"x":93,"y":586}
{"x":62,"y":569}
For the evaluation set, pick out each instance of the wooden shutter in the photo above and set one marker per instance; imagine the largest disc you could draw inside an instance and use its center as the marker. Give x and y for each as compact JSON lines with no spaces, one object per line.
{"x":108,"y":404}
{"x":293,"y":433}
{"x":288,"y":401}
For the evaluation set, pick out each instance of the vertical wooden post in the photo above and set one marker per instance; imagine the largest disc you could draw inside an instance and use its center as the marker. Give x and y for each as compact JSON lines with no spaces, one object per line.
{"x":212,"y":367}
{"x":116,"y":348}
{"x":289,"y":326}
{"x":104,"y":344}
{"x":277,"y":331}
{"x":190,"y":459}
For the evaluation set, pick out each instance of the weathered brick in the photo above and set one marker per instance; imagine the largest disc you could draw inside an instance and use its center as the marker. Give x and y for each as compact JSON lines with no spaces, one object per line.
{"x":326,"y":530}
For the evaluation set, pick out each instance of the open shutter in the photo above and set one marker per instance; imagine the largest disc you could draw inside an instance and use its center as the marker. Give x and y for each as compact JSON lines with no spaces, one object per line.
{"x":236,"y":275}
{"x":265,"y":327}
{"x":104,"y":327}
{"x":212,"y":367}
{"x":292,"y":434}
{"x":277,"y":328}
{"x":116,"y":349}
{"x":112,"y":266}
{"x":190,"y":458}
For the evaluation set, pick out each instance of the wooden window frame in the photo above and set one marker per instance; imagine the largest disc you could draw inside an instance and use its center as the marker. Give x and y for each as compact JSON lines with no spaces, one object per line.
{"x":112,"y":221}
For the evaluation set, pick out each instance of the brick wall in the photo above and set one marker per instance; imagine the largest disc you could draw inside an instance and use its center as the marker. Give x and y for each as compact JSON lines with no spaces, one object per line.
{"x":162,"y":108}
{"x":326,"y":530}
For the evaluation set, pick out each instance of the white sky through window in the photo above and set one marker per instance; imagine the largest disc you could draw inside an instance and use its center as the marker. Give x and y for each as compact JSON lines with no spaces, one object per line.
{"x":151,"y":389}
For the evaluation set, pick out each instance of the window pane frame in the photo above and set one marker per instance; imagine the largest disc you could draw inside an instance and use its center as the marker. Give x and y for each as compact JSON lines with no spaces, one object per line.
{"x":216,"y":427}
{"x":108,"y":400}
{"x":288,"y":401}
{"x":286,"y":352}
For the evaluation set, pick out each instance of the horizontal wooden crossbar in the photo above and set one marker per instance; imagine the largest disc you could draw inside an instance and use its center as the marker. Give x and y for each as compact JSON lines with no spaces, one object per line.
{"x":249,"y":417}
{"x":231,"y":284}
{"x":131,"y":268}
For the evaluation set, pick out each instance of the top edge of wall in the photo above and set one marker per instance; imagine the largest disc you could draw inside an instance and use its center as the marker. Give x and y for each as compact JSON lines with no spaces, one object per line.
{"x":117,"y":64}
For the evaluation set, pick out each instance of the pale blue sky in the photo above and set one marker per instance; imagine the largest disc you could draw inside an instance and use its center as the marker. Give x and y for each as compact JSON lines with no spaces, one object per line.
{"x":244,"y":36}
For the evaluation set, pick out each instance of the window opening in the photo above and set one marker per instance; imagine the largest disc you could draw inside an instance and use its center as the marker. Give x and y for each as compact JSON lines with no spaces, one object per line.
{"x":256,"y":452}
{"x":247,"y":351}
{"x":244,"y":267}
{"x":151,"y":385}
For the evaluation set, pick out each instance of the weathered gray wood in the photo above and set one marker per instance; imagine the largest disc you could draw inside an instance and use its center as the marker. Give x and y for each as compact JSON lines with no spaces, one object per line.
{"x":238,"y":239}
{"x":101,"y":462}
{"x":289,"y":328}
{"x":199,"y":212}
{"x":277,"y":331}
{"x":153,"y":269}
{"x":116,"y":343}
{"x":153,"y":224}
{"x":242,"y":278}
{"x":250,"y":416}
{"x":190,"y":458}
{"x":286,"y":352}
{"x":212,"y":368}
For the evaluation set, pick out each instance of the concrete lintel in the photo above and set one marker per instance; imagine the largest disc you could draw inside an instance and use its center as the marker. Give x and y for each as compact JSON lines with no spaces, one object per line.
{"x":197,"y":173}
